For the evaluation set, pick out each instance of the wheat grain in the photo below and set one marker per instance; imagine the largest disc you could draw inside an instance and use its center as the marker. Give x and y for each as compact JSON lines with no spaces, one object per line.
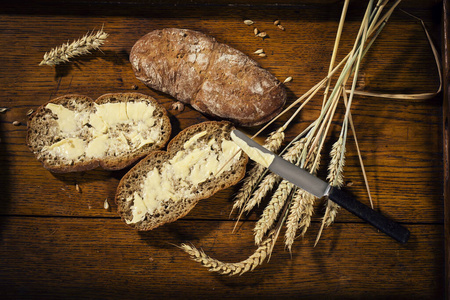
{"x":239,"y":268}
{"x":288,"y":79}
{"x":272,"y":210}
{"x":84,"y":45}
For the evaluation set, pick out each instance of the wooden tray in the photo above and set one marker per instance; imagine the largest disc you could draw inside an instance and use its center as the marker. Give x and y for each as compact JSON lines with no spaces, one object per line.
{"x":60,"y":242}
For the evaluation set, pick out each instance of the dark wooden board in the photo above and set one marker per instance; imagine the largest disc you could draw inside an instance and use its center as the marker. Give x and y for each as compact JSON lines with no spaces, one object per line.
{"x":57,"y":241}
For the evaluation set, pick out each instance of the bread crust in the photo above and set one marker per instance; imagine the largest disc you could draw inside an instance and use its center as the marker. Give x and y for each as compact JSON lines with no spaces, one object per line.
{"x":133,"y":179}
{"x":41,"y":130}
{"x":212,"y":77}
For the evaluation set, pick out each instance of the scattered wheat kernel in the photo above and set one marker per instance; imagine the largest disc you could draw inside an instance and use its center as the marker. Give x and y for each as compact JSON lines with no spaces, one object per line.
{"x":262,"y":54}
{"x":276,"y":22}
{"x":134,"y":87}
{"x":262,"y":34}
{"x":281,"y":27}
{"x":16,"y":123}
{"x":151,"y":259}
{"x":287,"y":79}
{"x":3,"y":109}
{"x":256,"y":31}
{"x":77,"y":187}
{"x":259,"y":51}
{"x":106,"y":204}
{"x":349,"y":183}
{"x":30,"y":112}
{"x":248,"y":22}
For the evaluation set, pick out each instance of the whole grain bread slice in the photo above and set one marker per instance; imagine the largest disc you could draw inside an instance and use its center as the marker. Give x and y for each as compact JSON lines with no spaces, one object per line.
{"x":44,"y":132}
{"x":198,"y":136}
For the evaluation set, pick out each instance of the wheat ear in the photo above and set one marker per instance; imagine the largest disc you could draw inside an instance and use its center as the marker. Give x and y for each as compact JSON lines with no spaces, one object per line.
{"x":300,"y":215}
{"x":335,"y":178}
{"x":272,"y":210}
{"x":265,"y":187}
{"x":84,"y":45}
{"x":239,"y":268}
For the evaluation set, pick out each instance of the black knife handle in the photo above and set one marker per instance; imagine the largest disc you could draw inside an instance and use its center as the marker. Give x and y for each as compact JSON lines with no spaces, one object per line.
{"x":389,"y":227}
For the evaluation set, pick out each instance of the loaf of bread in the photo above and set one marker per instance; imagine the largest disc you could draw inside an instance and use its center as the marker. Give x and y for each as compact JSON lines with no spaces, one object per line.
{"x":73,"y":133}
{"x":166,"y":185}
{"x":212,"y":77}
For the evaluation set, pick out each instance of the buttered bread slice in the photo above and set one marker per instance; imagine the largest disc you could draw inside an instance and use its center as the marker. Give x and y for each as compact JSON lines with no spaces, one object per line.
{"x":165,"y":186}
{"x":74,"y":133}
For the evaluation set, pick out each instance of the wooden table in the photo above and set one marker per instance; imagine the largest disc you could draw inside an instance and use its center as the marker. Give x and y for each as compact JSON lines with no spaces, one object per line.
{"x":57,"y":242}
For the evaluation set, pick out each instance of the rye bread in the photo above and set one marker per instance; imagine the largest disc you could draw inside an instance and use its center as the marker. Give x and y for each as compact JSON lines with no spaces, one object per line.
{"x":171,"y":210}
{"x":43,"y":132}
{"x":212,"y":77}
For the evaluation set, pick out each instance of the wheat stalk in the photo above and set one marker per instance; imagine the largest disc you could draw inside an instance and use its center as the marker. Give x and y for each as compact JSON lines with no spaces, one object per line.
{"x":239,"y":268}
{"x":84,"y":45}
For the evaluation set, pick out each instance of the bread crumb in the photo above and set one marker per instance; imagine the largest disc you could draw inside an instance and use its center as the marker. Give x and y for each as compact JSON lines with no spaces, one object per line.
{"x":349,"y":183}
{"x":179,"y":106}
{"x":151,"y":259}
{"x":281,"y":27}
{"x":16,"y":123}
{"x":134,"y":87}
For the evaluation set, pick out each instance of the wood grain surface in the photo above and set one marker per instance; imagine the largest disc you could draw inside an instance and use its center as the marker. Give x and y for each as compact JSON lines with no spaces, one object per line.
{"x":57,"y":242}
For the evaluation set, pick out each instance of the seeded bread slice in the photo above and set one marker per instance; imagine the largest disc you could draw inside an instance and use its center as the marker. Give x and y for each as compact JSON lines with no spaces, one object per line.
{"x":207,"y":136}
{"x":46,"y":139}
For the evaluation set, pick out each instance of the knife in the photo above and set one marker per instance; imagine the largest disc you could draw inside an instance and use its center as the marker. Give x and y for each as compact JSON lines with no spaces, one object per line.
{"x":316,"y":186}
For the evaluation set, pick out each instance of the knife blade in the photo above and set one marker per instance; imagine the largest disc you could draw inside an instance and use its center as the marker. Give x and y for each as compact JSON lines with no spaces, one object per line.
{"x":316,"y":186}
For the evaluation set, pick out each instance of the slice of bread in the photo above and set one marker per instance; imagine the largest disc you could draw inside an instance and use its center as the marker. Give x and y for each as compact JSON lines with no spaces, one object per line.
{"x":165,"y":186}
{"x":73,"y":133}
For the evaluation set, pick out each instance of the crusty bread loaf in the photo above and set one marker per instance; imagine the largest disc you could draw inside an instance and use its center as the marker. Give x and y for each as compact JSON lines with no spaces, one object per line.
{"x":213,"y":78}
{"x":73,"y":133}
{"x":165,"y":186}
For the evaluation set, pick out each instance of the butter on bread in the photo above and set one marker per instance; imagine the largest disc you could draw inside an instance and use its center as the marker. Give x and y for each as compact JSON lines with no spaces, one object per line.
{"x":214,"y":78}
{"x":74,"y":133}
{"x":164,"y":186}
